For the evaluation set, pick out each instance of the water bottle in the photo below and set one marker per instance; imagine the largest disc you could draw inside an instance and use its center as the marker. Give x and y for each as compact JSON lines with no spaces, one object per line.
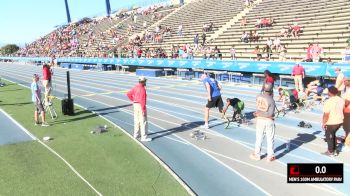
{"x":287,"y":145}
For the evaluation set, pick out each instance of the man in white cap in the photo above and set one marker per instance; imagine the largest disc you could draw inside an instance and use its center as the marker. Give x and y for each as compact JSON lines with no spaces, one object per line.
{"x":339,"y":83}
{"x":299,"y":74}
{"x":265,"y":123}
{"x":346,"y":97}
{"x":138,"y":96}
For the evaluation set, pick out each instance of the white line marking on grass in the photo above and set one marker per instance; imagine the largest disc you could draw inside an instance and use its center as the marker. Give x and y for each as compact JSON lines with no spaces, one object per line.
{"x":219,"y":133}
{"x":54,"y":152}
{"x":160,"y":161}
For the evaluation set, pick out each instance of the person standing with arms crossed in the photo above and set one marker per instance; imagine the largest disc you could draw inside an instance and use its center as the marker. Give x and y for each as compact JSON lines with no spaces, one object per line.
{"x":299,"y":74}
{"x":265,"y":123}
{"x":138,"y":96}
{"x":333,"y":118}
{"x":214,"y":97}
{"x":36,"y":99}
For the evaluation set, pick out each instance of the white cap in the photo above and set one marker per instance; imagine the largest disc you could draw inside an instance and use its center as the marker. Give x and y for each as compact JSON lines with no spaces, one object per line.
{"x":142,"y":79}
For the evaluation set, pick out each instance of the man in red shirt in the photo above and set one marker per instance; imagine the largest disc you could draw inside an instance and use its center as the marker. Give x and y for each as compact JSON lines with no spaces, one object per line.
{"x":299,"y":74}
{"x":47,"y":73}
{"x":138,"y":96}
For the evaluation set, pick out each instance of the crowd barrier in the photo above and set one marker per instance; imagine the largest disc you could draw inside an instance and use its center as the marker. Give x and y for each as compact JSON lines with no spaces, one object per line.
{"x":311,"y":69}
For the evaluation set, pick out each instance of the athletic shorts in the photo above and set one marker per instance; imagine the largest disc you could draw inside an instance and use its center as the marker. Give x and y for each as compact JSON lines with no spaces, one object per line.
{"x":215,"y":102}
{"x":39,"y":107}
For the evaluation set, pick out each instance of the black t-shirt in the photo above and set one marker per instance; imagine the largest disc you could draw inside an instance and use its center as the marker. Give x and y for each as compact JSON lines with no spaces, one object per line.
{"x":234,"y":101}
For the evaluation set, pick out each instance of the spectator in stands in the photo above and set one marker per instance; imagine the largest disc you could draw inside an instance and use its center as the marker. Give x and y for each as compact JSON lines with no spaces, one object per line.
{"x":245,"y":37}
{"x":268,"y":52}
{"x":204,"y":37}
{"x":257,"y":51}
{"x":36,"y":99}
{"x":211,"y":26}
{"x":138,"y":96}
{"x":269,"y":42}
{"x":349,"y":27}
{"x":333,"y":118}
{"x":233,"y":53}
{"x":346,"y":97}
{"x":299,"y":74}
{"x":348,"y":42}
{"x":213,"y":88}
{"x":284,"y":32}
{"x":347,"y":54}
{"x":204,"y":52}
{"x":243,"y":22}
{"x":317,"y":51}
{"x":309,"y":53}
{"x":265,"y":123}
{"x":135,"y":18}
{"x":276,"y":44}
{"x":282,"y":53}
{"x":339,"y":82}
{"x":255,"y":36}
{"x":144,"y":24}
{"x":205,"y":27}
{"x":296,"y":29}
{"x":258,"y":23}
{"x":179,"y":32}
{"x":196,"y":42}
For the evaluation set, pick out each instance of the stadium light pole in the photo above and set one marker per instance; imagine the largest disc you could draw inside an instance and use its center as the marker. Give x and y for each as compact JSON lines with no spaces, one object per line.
{"x":67,"y":11}
{"x":108,"y":7}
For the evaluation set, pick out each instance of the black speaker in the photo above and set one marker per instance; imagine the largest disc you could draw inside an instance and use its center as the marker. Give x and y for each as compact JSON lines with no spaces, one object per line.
{"x":67,"y":106}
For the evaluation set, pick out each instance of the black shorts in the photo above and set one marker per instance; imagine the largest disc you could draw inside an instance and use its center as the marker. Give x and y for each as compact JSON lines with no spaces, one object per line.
{"x":215,"y":102}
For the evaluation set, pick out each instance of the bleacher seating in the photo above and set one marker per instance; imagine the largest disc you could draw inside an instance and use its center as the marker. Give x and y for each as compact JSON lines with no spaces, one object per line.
{"x":322,"y":21}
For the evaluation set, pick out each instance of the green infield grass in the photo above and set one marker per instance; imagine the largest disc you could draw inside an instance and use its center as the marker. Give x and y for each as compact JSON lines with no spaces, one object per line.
{"x":111,"y":162}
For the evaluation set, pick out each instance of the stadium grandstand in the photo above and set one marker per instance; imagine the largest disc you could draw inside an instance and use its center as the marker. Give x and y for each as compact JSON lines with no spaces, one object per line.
{"x":228,"y":27}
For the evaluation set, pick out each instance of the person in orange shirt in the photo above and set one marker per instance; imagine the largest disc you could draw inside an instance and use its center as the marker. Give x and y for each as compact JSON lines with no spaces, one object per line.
{"x":346,"y":124}
{"x":333,"y":118}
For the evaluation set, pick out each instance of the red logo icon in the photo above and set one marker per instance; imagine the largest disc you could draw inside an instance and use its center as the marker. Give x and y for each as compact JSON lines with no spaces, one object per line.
{"x":294,"y":170}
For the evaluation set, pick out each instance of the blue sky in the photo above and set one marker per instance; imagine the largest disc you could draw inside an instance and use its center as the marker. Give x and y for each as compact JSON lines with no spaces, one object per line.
{"x":23,"y":21}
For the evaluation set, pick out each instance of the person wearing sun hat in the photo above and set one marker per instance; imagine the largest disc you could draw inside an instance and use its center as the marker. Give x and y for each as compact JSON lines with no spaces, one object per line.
{"x":333,"y":118}
{"x":138,"y":96}
{"x":346,"y":97}
{"x":265,"y":123}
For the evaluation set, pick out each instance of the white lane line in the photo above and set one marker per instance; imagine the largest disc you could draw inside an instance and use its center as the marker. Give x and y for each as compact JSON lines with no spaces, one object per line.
{"x":161,"y":162}
{"x":123,"y":100}
{"x":51,"y":150}
{"x":250,"y":129}
{"x":220,"y":162}
{"x":245,"y":163}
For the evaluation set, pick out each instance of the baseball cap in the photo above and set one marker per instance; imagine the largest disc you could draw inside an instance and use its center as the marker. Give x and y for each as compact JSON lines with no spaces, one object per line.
{"x":346,"y":78}
{"x":268,"y":87}
{"x":142,"y":79}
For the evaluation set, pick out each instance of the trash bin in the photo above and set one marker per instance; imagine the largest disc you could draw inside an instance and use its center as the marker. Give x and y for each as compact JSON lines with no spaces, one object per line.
{"x":67,"y":107}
